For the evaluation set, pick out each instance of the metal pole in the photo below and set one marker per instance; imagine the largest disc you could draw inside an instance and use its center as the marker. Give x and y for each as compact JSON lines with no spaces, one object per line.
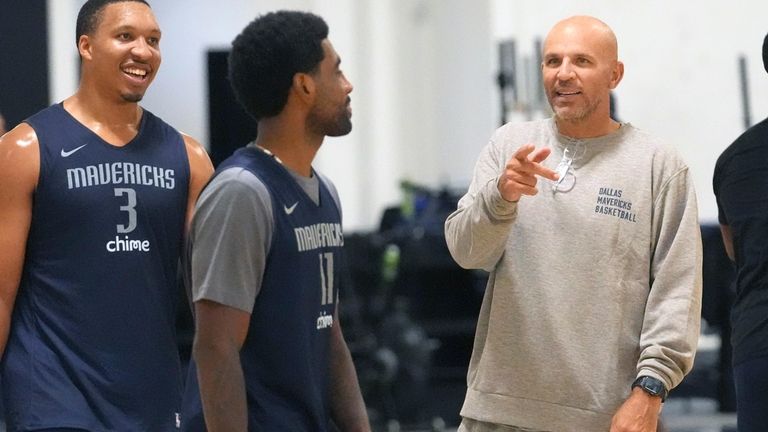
{"x":506,"y":78}
{"x":744,"y":91}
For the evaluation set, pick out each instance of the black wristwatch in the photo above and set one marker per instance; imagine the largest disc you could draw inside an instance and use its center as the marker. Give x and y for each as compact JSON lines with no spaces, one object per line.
{"x":652,"y":386}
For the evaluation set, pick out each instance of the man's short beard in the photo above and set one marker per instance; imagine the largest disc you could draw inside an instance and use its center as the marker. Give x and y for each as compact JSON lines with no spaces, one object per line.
{"x":340,"y":127}
{"x":579,"y":116}
{"x":132,"y":97}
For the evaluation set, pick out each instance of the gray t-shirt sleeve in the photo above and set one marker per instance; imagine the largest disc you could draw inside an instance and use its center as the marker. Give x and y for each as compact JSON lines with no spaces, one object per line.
{"x":332,"y":189}
{"x":231,"y":234}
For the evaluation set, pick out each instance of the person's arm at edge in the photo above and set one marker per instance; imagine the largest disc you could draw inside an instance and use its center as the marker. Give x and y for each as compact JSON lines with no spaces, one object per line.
{"x":725,"y":232}
{"x":347,"y":405}
{"x":200,"y":171}
{"x":220,"y":332}
{"x":19,"y":172}
{"x":725,"y":226}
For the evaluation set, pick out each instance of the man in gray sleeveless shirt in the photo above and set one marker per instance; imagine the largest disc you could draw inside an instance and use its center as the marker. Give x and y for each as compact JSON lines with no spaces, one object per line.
{"x":592,"y":309}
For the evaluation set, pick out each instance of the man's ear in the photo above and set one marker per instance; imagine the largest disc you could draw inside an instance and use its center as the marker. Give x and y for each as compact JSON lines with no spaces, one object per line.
{"x":617,"y":74}
{"x":84,"y":47}
{"x":304,"y":86}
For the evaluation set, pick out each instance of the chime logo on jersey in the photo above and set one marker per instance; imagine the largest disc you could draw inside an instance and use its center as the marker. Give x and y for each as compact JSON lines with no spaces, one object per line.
{"x":127,"y":244}
{"x":324,"y":321}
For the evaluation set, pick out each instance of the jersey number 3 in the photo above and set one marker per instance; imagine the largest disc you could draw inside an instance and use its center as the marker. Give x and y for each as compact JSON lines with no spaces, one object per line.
{"x":130,"y":208}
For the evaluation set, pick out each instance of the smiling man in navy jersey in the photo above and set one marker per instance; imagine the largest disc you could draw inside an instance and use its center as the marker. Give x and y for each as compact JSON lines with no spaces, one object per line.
{"x":95,"y":196}
{"x":266,"y":248}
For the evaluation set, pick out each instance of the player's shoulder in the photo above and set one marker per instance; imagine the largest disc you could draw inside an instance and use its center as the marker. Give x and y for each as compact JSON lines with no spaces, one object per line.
{"x":194,"y":147}
{"x":750,"y":143}
{"x":22,"y":135}
{"x":234,"y":189}
{"x":20,"y":143}
{"x":199,"y":162}
{"x":236,"y":182}
{"x":20,"y":155}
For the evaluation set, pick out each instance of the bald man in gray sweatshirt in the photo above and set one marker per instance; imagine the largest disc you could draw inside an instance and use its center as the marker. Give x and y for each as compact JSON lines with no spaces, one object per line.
{"x":590,"y":232}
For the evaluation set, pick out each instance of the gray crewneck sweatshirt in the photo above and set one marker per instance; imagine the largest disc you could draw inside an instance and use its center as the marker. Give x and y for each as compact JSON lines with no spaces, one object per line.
{"x":590,"y":286}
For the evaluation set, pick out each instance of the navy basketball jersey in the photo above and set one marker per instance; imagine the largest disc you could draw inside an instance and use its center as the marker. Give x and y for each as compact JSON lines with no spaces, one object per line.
{"x":92,"y":343}
{"x":285,"y":354}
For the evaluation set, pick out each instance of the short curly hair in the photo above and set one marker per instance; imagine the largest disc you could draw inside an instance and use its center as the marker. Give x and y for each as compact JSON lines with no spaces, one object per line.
{"x":268,"y":53}
{"x":89,"y":17}
{"x":765,"y":53}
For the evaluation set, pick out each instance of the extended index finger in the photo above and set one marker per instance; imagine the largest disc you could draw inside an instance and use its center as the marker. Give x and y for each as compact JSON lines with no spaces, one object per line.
{"x":530,"y":160}
{"x":522,"y":153}
{"x":540,"y":154}
{"x":540,"y":170}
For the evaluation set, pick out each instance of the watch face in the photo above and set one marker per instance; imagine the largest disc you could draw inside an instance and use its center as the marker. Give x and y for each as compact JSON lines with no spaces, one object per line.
{"x":651,"y":386}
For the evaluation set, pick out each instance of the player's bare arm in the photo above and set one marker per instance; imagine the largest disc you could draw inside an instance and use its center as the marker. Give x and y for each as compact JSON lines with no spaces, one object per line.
{"x":220,"y":332}
{"x":200,"y":171}
{"x":19,"y":171}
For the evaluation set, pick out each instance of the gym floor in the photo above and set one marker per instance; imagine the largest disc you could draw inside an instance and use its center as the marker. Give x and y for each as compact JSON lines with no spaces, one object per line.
{"x":679,"y":415}
{"x":696,"y":415}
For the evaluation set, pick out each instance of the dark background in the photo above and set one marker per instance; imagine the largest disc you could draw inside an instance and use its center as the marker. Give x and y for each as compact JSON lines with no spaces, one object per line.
{"x":23,"y":59}
{"x":230,"y":126}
